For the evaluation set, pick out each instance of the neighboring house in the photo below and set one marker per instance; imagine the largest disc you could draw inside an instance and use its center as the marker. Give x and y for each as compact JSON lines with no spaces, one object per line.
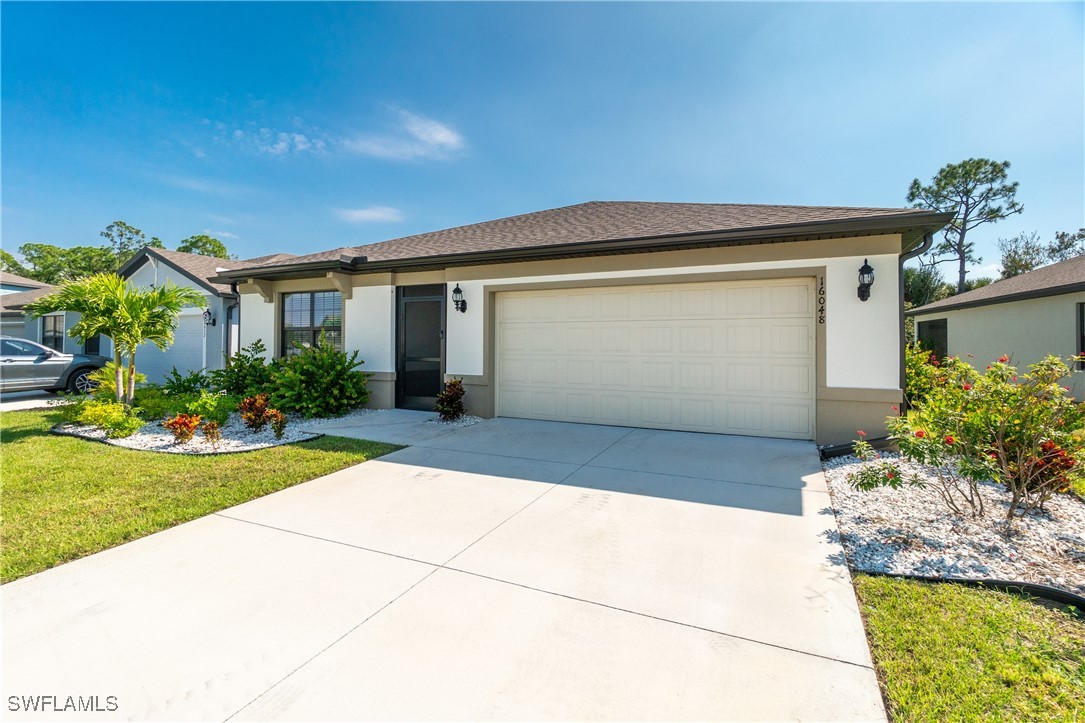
{"x":1026,"y":317}
{"x":13,"y":283}
{"x":737,"y":319}
{"x":196,"y":345}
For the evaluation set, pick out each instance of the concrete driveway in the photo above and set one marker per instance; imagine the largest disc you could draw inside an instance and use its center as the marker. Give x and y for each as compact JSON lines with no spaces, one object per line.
{"x":509,"y":570}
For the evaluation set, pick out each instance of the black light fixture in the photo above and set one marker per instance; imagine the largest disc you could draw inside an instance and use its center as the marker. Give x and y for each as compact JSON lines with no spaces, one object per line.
{"x":208,"y":319}
{"x":866,"y":280}
{"x":458,"y":301}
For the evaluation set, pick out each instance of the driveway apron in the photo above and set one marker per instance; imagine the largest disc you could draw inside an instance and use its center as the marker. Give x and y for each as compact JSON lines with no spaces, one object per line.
{"x":510,"y":570}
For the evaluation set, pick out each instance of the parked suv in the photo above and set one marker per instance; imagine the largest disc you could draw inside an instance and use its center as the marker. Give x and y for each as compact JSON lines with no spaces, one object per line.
{"x":27,"y":365}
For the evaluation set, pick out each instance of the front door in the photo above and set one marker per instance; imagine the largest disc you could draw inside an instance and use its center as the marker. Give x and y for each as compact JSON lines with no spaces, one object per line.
{"x":420,"y":324}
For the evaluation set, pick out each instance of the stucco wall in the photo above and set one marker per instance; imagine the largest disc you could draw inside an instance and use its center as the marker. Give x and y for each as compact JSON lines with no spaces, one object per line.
{"x":1027,"y":331}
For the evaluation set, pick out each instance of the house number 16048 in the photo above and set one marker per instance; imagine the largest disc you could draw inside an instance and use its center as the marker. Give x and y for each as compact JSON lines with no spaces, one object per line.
{"x":821,"y":299}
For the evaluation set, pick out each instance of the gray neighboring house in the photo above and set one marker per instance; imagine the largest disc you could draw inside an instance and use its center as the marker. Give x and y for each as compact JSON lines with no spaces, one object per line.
{"x":197,"y":345}
{"x":13,"y":283}
{"x":1026,"y":317}
{"x":724,"y":318}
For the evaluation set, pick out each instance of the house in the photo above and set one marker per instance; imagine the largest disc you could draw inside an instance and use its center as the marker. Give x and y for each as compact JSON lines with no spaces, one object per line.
{"x":203,"y":334}
{"x":739,"y":319}
{"x":1025,"y":317}
{"x":13,"y":283}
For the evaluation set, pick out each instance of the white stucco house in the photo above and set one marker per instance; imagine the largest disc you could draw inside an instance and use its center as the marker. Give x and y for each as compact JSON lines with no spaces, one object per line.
{"x":737,"y":319}
{"x":1025,"y":317}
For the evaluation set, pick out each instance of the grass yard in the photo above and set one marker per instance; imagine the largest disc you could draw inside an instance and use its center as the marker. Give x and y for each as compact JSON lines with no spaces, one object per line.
{"x":946,"y":652}
{"x":62,"y":498}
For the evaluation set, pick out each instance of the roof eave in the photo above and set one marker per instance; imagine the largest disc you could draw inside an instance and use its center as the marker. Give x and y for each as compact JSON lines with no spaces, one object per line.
{"x":147,"y":251}
{"x":1021,"y":296}
{"x":911,"y":226}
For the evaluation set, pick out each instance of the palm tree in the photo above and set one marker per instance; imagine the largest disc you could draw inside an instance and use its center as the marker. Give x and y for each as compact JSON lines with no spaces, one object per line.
{"x":110,"y":306}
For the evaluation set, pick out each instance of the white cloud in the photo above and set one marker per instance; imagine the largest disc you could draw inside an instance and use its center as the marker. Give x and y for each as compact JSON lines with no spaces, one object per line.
{"x":220,"y":234}
{"x":371,"y":214}
{"x":420,"y":137}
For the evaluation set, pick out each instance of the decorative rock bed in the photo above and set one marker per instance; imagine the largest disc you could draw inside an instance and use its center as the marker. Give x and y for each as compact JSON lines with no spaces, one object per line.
{"x":911,"y":531}
{"x":152,"y":437}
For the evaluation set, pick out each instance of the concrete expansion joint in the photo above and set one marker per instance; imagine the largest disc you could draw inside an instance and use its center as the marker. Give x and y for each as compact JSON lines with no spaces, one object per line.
{"x":445,"y":566}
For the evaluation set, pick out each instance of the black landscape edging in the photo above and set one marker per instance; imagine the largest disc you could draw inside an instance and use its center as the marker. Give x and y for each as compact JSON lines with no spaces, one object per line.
{"x":1054,"y":594}
{"x":56,"y":429}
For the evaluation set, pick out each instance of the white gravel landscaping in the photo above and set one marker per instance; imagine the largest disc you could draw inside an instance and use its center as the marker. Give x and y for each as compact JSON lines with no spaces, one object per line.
{"x":911,"y":531}
{"x":236,"y":437}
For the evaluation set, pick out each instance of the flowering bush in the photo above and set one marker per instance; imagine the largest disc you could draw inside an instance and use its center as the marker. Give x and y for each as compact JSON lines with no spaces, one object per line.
{"x":183,"y":426}
{"x":880,"y":474}
{"x":1025,"y":432}
{"x":277,"y":420}
{"x":254,"y":411}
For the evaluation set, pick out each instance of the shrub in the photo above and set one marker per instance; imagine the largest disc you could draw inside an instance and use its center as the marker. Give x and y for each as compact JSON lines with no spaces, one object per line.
{"x":1026,"y":433}
{"x":277,"y":420}
{"x":880,"y":474}
{"x":192,"y":383}
{"x":183,"y":426}
{"x":925,"y":372}
{"x":116,"y":418}
{"x":318,"y":382}
{"x":450,"y":401}
{"x":153,"y":403}
{"x":254,"y":411}
{"x":245,"y":374}
{"x":212,"y":407}
{"x":212,"y":433}
{"x":106,"y":378}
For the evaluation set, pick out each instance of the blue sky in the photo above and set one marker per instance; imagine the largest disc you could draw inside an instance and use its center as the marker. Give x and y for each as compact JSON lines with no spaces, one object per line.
{"x":302,"y":127}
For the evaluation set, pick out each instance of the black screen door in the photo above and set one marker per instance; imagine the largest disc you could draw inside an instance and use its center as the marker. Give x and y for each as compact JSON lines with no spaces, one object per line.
{"x":420,"y":321}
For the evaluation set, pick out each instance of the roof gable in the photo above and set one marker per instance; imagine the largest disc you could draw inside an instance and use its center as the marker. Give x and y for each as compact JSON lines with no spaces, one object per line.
{"x":1060,"y":278}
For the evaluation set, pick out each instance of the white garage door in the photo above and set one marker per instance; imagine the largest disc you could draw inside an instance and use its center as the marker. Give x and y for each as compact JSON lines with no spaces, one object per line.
{"x":732,"y":357}
{"x":186,"y":353}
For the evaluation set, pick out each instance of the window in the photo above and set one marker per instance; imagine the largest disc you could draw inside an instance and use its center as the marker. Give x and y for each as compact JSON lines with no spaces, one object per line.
{"x":52,"y":332}
{"x":93,"y":345}
{"x":15,"y":347}
{"x":933,"y":336}
{"x":306,"y":315}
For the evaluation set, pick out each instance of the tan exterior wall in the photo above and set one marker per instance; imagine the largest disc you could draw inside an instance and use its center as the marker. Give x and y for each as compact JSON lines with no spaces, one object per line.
{"x":1026,"y":331}
{"x":858,"y":348}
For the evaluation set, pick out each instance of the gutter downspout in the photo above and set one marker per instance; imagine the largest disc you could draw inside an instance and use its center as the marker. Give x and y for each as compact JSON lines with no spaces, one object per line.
{"x":928,"y":241}
{"x":227,"y":342}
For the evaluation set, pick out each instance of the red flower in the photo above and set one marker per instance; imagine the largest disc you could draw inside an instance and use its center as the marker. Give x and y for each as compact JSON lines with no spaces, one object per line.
{"x":894,"y":408}
{"x":1014,"y":379}
{"x":967,"y":387}
{"x":949,"y":439}
{"x":860,"y":432}
{"x":889,"y":475}
{"x":1003,"y":359}
{"x":920,"y":433}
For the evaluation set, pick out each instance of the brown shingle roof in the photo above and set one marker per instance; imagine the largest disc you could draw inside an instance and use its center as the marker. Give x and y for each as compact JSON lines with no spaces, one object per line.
{"x":16,"y":280}
{"x":15,"y":302}
{"x":599,"y":221}
{"x":1061,"y":278}
{"x":200,"y":268}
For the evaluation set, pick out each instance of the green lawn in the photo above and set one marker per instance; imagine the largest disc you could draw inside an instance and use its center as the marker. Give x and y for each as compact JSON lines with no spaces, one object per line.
{"x":946,"y":652}
{"x":62,"y":498}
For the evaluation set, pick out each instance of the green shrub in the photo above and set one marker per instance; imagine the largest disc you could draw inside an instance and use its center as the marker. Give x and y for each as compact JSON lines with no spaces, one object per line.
{"x":153,"y":403}
{"x":106,"y":378}
{"x":212,"y":407}
{"x":183,"y":426}
{"x":1025,"y":432}
{"x":192,"y":383}
{"x":245,"y":374}
{"x":254,"y":411}
{"x":116,"y":418}
{"x":318,"y":382}
{"x":450,"y":401}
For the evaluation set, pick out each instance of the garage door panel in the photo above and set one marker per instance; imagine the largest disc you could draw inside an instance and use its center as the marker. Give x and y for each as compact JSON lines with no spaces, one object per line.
{"x":730,"y":357}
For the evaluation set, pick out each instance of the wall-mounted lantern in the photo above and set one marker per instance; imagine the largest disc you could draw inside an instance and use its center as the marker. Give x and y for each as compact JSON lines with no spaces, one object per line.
{"x":866,"y":280}
{"x":457,"y":299}
{"x":208,"y":319}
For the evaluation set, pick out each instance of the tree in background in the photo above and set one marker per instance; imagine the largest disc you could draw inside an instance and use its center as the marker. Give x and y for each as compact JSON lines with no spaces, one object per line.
{"x":125,"y":241}
{"x":205,"y":246}
{"x":924,"y":285}
{"x":55,"y":265}
{"x":9,"y":264}
{"x":1066,"y":245}
{"x":110,"y":306}
{"x":1025,"y":252}
{"x":976,"y":190}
